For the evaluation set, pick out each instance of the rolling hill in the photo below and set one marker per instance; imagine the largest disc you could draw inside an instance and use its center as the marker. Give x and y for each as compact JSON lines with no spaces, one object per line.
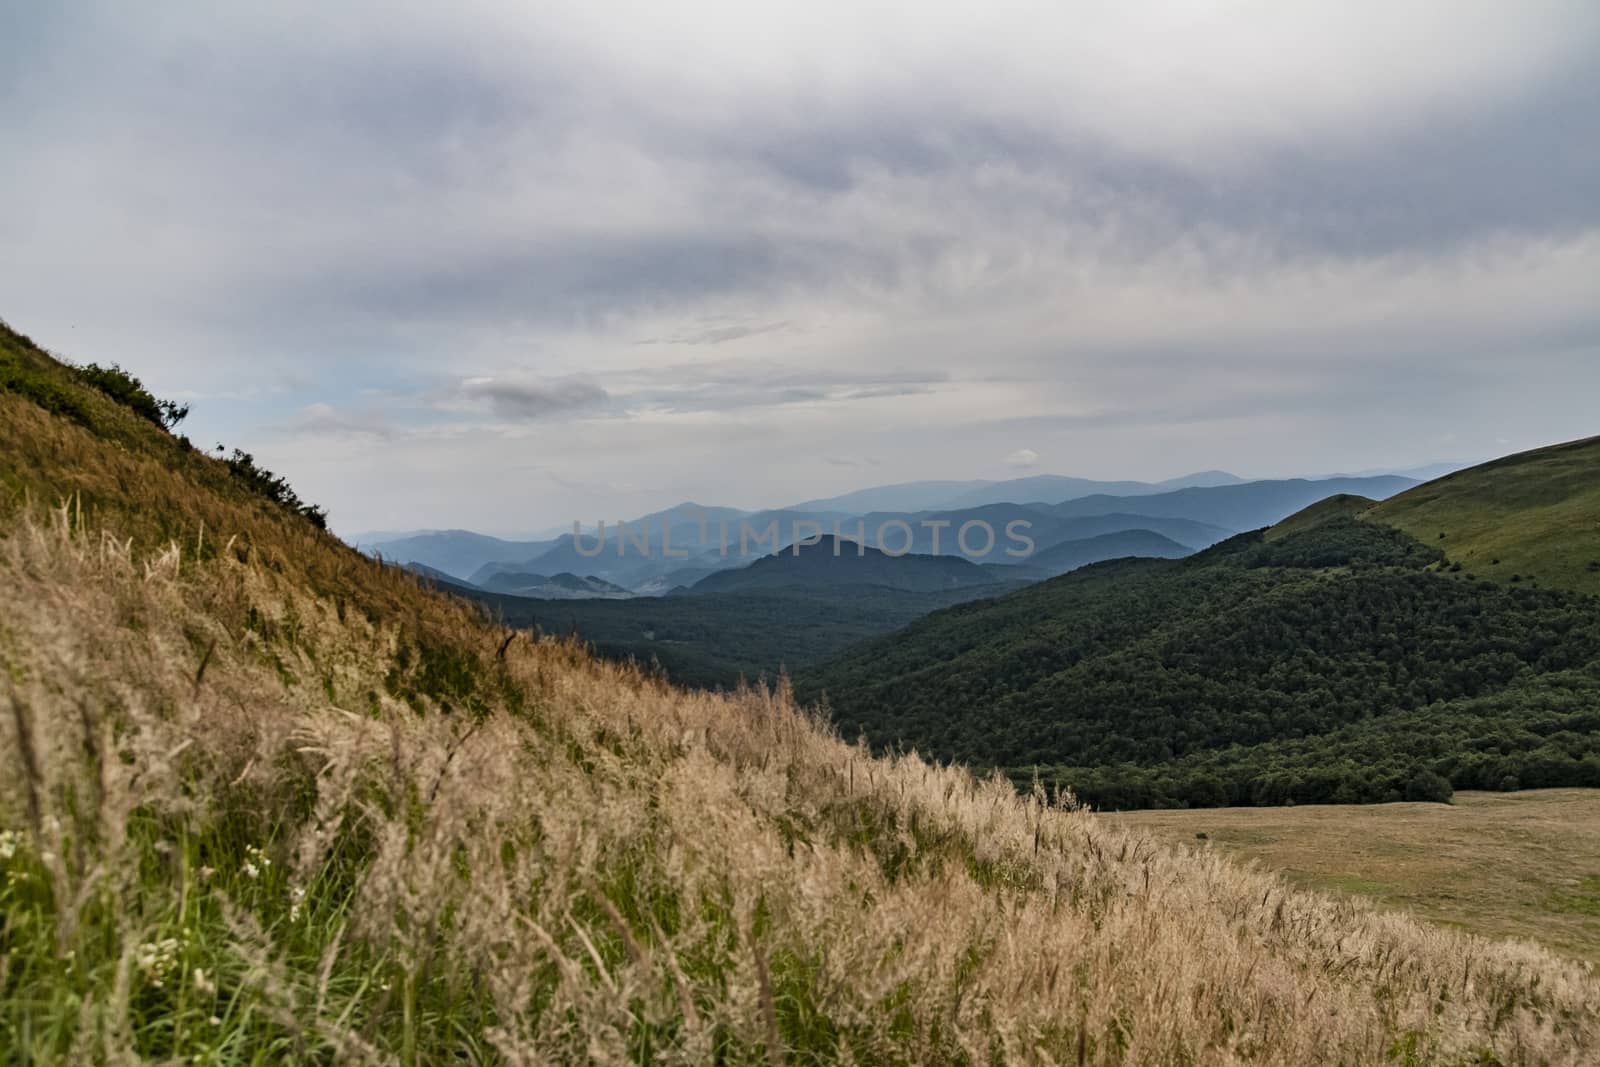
{"x":718,"y":640}
{"x":458,"y":553}
{"x":833,"y":562}
{"x":1339,"y":661}
{"x":269,"y":800}
{"x":1247,"y":506}
{"x":1070,"y":555}
{"x":1531,"y":516}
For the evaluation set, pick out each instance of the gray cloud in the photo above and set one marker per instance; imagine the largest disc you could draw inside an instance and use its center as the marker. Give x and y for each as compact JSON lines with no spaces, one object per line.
{"x":531,"y":400}
{"x":712,"y":250}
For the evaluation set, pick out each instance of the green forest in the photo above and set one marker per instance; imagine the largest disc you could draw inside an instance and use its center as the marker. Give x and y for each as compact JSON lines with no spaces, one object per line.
{"x":1348,"y":662}
{"x":717,"y":640}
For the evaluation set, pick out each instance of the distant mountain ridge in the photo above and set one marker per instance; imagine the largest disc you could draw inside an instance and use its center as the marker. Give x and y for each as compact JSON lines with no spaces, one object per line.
{"x":953,"y":495}
{"x":709,"y":538}
{"x":831,"y":562}
{"x":1247,"y":506}
{"x":1332,"y":657}
{"x":1070,"y":555}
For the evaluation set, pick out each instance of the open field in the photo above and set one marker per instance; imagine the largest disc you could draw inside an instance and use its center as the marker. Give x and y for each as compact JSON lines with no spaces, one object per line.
{"x":1504,"y":864}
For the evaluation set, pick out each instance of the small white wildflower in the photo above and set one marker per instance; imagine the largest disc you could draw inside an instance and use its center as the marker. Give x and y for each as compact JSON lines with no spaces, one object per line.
{"x":157,"y":959}
{"x":10,"y":841}
{"x":255,"y":862}
{"x":203,"y":985}
{"x":297,"y":896}
{"x":216,"y":1020}
{"x":206,"y":873}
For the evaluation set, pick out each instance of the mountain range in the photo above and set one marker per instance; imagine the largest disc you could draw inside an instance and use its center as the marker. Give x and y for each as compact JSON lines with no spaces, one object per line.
{"x":704,"y":540}
{"x":1334,"y":657}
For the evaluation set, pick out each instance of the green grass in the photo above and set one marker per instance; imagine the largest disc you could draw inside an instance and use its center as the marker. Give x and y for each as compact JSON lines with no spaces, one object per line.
{"x":1533,"y":517}
{"x":1342,"y":505}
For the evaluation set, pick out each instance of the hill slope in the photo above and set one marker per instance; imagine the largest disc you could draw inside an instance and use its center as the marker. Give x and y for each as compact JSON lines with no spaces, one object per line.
{"x":1531,"y":515}
{"x":1070,"y":555}
{"x":267,"y":800}
{"x":1333,"y":664}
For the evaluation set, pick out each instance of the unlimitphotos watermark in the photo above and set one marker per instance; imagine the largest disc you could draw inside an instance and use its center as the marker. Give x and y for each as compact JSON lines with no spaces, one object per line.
{"x":975,"y":538}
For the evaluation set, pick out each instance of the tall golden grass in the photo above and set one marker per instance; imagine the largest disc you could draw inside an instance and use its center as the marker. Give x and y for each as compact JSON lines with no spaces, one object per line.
{"x":594,"y":867}
{"x":268,"y":801}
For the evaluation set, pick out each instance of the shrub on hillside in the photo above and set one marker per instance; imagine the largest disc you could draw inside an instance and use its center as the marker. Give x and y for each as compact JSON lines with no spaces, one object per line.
{"x":1427,"y":786}
{"x":274,"y":487}
{"x":130,"y":392}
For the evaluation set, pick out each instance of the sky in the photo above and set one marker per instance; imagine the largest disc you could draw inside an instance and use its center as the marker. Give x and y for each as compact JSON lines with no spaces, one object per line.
{"x":506,"y":265}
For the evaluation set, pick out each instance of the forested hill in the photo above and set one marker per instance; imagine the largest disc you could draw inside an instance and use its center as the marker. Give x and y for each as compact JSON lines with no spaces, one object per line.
{"x":1343,"y":662}
{"x":838,"y":562}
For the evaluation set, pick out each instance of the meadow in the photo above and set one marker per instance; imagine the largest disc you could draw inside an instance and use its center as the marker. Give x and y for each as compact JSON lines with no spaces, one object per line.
{"x":1523,"y":864}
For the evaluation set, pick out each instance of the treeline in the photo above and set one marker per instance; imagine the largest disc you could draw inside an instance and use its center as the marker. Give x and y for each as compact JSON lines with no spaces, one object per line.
{"x":1333,"y":665}
{"x":715,"y":640}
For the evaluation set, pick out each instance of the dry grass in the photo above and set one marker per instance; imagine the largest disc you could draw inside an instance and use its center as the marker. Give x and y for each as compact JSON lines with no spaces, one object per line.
{"x":613,"y":871}
{"x":273,"y":802}
{"x":1503,"y":864}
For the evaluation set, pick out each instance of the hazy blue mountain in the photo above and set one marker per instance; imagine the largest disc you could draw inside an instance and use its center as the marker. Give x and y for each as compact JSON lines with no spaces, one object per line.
{"x":905,"y":496}
{"x":1186,"y":532}
{"x":1248,"y":506}
{"x":1203,"y":480}
{"x":426,"y":571}
{"x":1070,"y":555}
{"x":1044,"y":529}
{"x":955,"y":495}
{"x":817,"y":566}
{"x":458,"y":553}
{"x":725,"y":544}
{"x":1047,"y":488}
{"x":1425,"y":473}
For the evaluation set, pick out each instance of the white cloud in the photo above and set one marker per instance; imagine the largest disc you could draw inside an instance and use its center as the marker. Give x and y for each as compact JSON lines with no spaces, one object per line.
{"x":1023,"y":458}
{"x":697,"y":249}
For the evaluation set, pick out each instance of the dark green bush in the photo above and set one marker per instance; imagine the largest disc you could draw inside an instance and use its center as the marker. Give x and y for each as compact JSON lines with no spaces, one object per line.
{"x":272,"y":486}
{"x":1426,"y":785}
{"x":130,"y":392}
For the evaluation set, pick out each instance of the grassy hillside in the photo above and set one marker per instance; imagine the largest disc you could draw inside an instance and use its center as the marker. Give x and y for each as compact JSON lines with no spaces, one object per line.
{"x":1340,"y":505}
{"x":269,"y":801}
{"x":1534,"y":516}
{"x":1506,"y":864}
{"x":1333,"y":664}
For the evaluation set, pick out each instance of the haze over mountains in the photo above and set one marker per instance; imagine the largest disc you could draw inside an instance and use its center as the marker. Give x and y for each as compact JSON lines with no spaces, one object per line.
{"x":682,"y":545}
{"x":283,"y":759}
{"x":1335,"y":657}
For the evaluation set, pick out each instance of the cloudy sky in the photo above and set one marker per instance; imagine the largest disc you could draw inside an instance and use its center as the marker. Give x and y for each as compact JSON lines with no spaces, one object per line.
{"x":503,"y":265}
